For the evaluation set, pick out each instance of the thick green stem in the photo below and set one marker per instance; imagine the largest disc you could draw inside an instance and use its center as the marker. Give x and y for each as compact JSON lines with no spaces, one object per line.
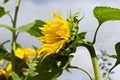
{"x":94,"y":61}
{"x":14,"y":33}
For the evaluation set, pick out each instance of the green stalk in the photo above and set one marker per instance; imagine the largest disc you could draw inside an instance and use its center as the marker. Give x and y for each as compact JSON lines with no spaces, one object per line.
{"x":108,"y":72}
{"x":94,"y":40}
{"x":94,"y":61}
{"x":14,"y":34}
{"x":84,"y":70}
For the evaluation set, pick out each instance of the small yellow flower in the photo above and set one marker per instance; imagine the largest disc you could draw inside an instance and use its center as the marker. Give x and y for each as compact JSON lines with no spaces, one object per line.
{"x":56,"y":34}
{"x":4,"y":74}
{"x":24,"y":53}
{"x":8,"y":69}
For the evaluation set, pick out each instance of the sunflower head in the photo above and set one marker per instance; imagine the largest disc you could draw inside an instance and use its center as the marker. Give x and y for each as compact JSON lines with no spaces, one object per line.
{"x":55,"y":35}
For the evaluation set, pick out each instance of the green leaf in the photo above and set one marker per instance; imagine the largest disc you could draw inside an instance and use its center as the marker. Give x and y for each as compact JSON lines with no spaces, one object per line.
{"x":4,"y":53}
{"x":113,"y":56}
{"x":7,"y":27}
{"x":104,"y":14}
{"x":22,"y":63}
{"x":3,"y":43}
{"x":51,"y":67}
{"x":32,"y":28}
{"x":104,"y":53}
{"x":6,"y":1}
{"x":117,"y":48}
{"x":26,"y":27}
{"x":65,"y":65}
{"x":35,"y":47}
{"x":15,"y":76}
{"x":2,"y":11}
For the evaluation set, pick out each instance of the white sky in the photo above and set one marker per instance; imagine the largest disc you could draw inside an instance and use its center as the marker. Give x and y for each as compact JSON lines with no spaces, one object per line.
{"x":108,"y":34}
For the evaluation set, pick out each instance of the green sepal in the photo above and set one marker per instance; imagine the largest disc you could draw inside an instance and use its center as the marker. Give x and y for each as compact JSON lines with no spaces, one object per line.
{"x":103,"y":14}
{"x":81,"y":39}
{"x":32,"y":28}
{"x":73,"y":25}
{"x":70,"y":46}
{"x":82,"y":35}
{"x":3,"y":11}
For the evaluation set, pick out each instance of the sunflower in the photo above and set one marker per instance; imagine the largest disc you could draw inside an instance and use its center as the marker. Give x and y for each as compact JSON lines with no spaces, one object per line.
{"x":5,"y":74}
{"x":55,"y":35}
{"x":24,"y":53}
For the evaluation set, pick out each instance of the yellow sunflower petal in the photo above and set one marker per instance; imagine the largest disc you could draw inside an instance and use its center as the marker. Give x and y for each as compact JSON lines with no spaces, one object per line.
{"x":55,"y":16}
{"x":55,"y":35}
{"x":9,"y":69}
{"x":19,"y":53}
{"x":2,"y":72}
{"x":29,"y":51}
{"x":49,"y":49}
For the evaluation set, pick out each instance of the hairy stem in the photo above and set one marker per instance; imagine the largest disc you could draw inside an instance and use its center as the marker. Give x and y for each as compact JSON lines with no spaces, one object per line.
{"x":14,"y":33}
{"x":94,"y":61}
